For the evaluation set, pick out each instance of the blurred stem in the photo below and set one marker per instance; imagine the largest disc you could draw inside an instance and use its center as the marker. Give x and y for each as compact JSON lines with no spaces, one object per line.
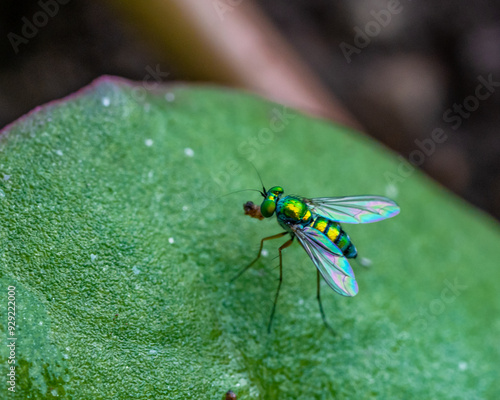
{"x":232,"y":43}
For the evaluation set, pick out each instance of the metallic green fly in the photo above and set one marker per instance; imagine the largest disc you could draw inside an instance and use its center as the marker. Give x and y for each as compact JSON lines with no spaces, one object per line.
{"x":316,"y":225}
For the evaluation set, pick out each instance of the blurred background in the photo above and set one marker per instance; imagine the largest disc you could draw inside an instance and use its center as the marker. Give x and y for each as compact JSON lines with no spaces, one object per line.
{"x":399,"y":70}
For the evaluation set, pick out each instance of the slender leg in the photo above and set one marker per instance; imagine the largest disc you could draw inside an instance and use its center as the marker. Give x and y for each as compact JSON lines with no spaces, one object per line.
{"x":284,"y":246}
{"x":321,"y":306}
{"x":259,"y":253}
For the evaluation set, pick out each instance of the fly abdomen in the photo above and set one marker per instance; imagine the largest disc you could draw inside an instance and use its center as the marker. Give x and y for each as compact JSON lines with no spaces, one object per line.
{"x":345,"y":244}
{"x":333,"y":231}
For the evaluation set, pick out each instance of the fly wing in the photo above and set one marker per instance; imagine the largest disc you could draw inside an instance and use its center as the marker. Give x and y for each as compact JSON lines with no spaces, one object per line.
{"x":329,"y":260}
{"x":354,"y":209}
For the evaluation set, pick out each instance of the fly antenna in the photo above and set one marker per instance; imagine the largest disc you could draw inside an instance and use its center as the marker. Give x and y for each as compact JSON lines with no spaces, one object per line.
{"x":263,"y":193}
{"x":239,"y":191}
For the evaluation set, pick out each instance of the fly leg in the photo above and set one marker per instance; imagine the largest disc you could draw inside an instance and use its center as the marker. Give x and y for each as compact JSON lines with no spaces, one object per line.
{"x":321,"y":307}
{"x":259,"y":253}
{"x":284,"y":246}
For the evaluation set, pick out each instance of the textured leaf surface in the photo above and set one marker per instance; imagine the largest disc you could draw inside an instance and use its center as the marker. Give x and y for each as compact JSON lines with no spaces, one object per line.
{"x":120,"y":248}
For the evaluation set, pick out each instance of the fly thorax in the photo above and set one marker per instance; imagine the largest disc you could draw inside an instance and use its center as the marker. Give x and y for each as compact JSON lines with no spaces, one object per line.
{"x":294,"y":210}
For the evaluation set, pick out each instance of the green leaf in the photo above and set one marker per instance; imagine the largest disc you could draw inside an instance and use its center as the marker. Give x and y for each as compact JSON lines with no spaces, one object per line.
{"x":120,"y":244}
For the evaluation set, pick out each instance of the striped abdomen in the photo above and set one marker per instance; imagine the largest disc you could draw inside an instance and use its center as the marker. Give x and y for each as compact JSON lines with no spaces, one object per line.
{"x":336,"y":234}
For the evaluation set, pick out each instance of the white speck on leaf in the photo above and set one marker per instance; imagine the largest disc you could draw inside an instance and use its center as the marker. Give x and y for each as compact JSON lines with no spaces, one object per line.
{"x":148,"y":142}
{"x":242,"y":382}
{"x":264,"y":253}
{"x":6,"y":177}
{"x":171,"y":240}
{"x":391,"y":190}
{"x":54,"y":393}
{"x":462,"y":365}
{"x":365,"y":262}
{"x":2,"y":193}
{"x":170,"y":96}
{"x":93,"y":257}
{"x":106,"y":101}
{"x":185,"y":208}
{"x":40,"y":323}
{"x":59,"y":152}
{"x":136,"y":270}
{"x":189,"y":152}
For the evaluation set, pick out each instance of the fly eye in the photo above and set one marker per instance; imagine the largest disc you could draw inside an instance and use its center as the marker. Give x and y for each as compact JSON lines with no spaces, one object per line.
{"x":267,"y":208}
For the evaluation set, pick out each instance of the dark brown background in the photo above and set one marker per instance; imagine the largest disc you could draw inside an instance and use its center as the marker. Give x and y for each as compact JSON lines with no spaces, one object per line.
{"x":426,"y":59}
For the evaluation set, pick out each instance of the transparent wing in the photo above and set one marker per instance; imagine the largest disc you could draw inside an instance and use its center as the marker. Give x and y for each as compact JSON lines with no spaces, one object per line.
{"x":354,"y":209}
{"x":329,"y":260}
